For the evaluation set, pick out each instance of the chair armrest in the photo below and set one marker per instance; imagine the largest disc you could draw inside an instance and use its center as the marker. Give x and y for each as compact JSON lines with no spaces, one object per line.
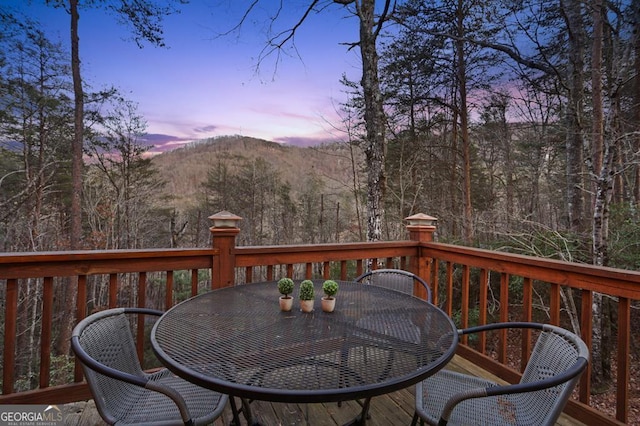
{"x":501,"y":325}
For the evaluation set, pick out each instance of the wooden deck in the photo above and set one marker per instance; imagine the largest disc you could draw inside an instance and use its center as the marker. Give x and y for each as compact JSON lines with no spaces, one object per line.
{"x":392,"y":409}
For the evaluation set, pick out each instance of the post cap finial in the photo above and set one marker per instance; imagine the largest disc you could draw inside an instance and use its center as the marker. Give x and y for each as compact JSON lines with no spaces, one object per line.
{"x":225,"y":219}
{"x":421,"y":219}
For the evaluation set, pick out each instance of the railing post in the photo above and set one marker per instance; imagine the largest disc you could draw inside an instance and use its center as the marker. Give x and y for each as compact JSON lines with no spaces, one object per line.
{"x":223,"y":238}
{"x":421,"y":228}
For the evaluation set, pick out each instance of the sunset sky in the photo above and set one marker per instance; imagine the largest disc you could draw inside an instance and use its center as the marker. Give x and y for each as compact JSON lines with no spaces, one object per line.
{"x":203,"y":84}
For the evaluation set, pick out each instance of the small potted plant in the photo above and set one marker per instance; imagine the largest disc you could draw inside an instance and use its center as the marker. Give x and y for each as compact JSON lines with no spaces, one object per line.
{"x":306,"y":296}
{"x":285,"y":287}
{"x":330,"y":288}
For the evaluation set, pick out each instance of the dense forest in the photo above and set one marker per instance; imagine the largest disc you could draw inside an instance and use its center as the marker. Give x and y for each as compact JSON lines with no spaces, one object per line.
{"x":514,"y":155}
{"x":516,"y":124}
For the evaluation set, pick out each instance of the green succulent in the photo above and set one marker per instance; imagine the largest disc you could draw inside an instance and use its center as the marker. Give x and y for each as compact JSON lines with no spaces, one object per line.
{"x":330,"y":288}
{"x":285,"y":286}
{"x":306,"y":290}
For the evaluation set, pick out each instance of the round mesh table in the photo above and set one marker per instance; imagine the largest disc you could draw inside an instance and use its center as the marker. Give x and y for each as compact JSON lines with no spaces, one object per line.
{"x":237,"y":341}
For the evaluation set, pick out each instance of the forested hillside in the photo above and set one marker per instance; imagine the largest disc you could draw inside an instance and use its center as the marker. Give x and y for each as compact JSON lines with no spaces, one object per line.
{"x":186,"y":169}
{"x":284,"y":194}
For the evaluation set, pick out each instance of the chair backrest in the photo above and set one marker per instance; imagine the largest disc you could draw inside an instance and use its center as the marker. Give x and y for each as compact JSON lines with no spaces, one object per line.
{"x":394,"y":279}
{"x":556,"y":351}
{"x":106,"y":337}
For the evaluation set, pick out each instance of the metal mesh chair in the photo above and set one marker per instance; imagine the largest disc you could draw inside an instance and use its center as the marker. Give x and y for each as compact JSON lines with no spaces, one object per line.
{"x":123,"y":393}
{"x":556,"y":363}
{"x":394,"y":279}
{"x":398,"y":280}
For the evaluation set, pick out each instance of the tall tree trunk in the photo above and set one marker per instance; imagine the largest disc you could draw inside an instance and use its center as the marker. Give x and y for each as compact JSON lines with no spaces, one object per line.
{"x":355,"y":186}
{"x":575,"y":107}
{"x":68,"y":296}
{"x":596,"y":84}
{"x":453,"y":181}
{"x":602,"y":167}
{"x":374,"y":119}
{"x":599,"y":239}
{"x":510,"y":168}
{"x":636,"y":103}
{"x":464,"y":128}
{"x":78,"y":137}
{"x":599,"y":353}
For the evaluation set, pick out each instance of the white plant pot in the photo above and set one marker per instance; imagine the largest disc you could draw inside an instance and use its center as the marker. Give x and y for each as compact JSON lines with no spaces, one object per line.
{"x":306,"y":305}
{"x":328,"y":305}
{"x":286,"y":303}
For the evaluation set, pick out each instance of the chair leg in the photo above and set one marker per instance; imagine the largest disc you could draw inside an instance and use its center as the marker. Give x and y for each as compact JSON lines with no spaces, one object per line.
{"x":245,"y":409}
{"x":365,"y":410}
{"x":361,"y":419}
{"x":234,"y":410}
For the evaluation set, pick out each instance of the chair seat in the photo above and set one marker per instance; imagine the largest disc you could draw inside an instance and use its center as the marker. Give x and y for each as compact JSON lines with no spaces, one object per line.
{"x":147,"y":408}
{"x":499,"y":410}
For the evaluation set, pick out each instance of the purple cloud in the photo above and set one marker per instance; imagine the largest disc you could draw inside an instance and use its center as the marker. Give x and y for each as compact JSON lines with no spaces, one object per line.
{"x":162,"y":142}
{"x":206,"y":129}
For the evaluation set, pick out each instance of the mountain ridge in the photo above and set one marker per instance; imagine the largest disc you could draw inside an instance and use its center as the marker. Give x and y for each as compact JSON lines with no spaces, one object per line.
{"x":186,"y":168}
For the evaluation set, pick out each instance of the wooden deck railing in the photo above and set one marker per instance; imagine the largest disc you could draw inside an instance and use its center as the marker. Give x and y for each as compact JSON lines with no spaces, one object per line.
{"x":463,"y":280}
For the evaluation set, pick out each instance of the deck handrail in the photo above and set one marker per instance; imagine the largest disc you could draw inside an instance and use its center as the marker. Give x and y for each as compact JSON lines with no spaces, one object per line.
{"x":622,"y":285}
{"x":459,"y":277}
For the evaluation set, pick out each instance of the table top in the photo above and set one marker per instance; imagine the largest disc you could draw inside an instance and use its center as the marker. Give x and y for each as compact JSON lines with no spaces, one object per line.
{"x":237,"y":341}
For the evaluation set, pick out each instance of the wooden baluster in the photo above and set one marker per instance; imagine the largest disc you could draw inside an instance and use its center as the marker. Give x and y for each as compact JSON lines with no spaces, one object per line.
{"x":449,"y":307}
{"x":10,"y":324}
{"x":435,"y":289}
{"x":81,"y":313}
{"x":45,"y":332}
{"x":482,"y":306}
{"x":586,"y":330}
{"x":142,"y":303}
{"x":194,"y":282}
{"x":269,"y":272}
{"x":113,"y":290}
{"x":168,"y":301}
{"x":142,"y":289}
{"x":464,"y":307}
{"x":527,"y":316}
{"x":624,"y":343}
{"x":290,"y":270}
{"x":343,"y":270}
{"x":308,"y":270}
{"x":504,"y":316}
{"x":554,"y":304}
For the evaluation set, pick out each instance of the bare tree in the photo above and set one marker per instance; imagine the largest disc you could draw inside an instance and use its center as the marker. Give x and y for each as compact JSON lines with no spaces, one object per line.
{"x":131,"y":181}
{"x":572,"y":11}
{"x":370,"y":27}
{"x":601,"y":188}
{"x":145,"y":16}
